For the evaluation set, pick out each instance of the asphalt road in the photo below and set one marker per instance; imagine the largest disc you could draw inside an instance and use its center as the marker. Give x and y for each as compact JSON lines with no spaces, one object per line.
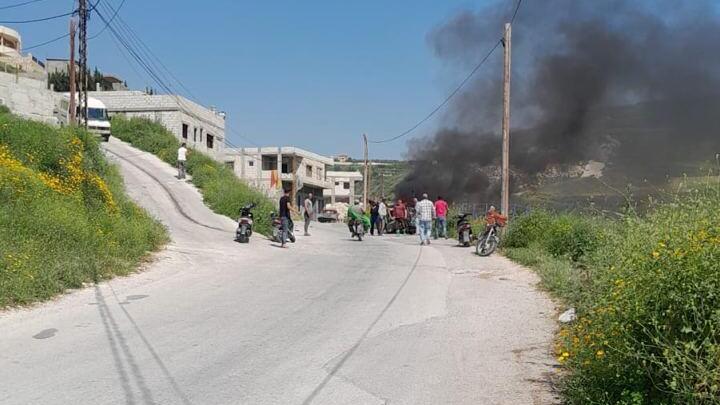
{"x":327,"y":321}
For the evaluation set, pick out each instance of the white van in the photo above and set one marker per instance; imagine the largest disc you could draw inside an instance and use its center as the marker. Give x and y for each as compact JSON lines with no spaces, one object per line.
{"x":98,"y":121}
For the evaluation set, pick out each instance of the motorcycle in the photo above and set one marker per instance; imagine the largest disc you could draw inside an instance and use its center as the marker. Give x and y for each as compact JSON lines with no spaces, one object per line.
{"x":489,"y":241}
{"x":245,"y":224}
{"x":465,"y":233}
{"x":277,"y":228}
{"x":357,"y":228}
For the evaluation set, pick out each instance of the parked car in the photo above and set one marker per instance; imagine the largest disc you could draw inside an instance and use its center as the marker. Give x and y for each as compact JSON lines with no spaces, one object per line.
{"x":328,"y":215}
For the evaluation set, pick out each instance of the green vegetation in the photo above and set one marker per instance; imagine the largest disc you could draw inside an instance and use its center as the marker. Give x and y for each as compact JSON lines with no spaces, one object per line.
{"x":64,"y":217}
{"x":222,"y":191}
{"x":647,"y":293}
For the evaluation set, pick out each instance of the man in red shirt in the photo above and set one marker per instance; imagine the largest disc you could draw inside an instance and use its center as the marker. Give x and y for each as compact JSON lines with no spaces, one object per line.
{"x":400,"y":215}
{"x":441,"y":210}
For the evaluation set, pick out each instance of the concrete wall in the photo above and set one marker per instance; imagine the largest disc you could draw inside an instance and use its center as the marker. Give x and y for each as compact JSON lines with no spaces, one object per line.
{"x":28,"y":97}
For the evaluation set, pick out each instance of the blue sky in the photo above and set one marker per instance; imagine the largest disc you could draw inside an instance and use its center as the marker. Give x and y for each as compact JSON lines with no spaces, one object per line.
{"x":313,"y":74}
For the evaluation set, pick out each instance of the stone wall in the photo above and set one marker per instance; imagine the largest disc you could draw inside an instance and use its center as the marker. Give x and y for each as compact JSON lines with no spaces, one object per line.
{"x":28,"y":97}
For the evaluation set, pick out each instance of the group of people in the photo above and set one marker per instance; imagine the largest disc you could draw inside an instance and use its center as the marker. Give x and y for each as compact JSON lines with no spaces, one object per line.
{"x":423,"y":214}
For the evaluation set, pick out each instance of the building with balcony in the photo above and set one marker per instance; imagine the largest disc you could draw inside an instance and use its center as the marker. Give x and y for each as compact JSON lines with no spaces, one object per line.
{"x":13,"y":61}
{"x":272,"y":169}
{"x":342,"y":187}
{"x":199,"y":127}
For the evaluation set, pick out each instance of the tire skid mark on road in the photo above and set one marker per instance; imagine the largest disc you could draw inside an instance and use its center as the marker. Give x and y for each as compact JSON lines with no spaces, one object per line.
{"x":168,"y":191}
{"x":364,"y":336}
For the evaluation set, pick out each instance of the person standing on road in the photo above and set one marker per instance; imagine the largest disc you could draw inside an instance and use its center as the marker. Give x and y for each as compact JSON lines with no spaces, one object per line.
{"x":382,"y":214}
{"x":441,"y":210}
{"x":400,"y":214}
{"x":309,"y":209}
{"x":181,"y":161}
{"x":425,"y":213}
{"x":284,"y":211}
{"x":373,"y":216}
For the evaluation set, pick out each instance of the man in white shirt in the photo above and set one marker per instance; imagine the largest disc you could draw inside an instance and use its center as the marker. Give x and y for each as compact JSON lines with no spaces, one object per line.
{"x":425,"y":211}
{"x":181,"y":160}
{"x":382,"y":214}
{"x":309,"y":212}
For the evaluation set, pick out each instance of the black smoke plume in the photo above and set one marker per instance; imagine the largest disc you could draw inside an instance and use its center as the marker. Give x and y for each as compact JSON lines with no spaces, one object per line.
{"x":631,"y":83}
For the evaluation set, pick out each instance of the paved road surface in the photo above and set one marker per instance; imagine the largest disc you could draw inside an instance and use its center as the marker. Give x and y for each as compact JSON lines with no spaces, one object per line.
{"x":327,"y":321}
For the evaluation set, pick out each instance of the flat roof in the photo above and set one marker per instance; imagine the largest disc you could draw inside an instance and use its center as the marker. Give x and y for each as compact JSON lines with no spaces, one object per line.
{"x":285,"y":150}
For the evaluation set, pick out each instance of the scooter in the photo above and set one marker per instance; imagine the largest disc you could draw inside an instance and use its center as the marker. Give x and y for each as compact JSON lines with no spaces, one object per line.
{"x":489,"y":241}
{"x":464,"y":229}
{"x":277,"y":228}
{"x":245,"y":224}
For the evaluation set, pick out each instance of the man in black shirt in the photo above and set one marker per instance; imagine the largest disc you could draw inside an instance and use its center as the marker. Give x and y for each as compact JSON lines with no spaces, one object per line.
{"x":284,"y":211}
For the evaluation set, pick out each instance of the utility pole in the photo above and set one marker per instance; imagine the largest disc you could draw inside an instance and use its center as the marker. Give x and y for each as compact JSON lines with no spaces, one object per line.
{"x":382,"y":184}
{"x":83,"y":16}
{"x":366,"y":173}
{"x":505,"y":198}
{"x":71,"y":72}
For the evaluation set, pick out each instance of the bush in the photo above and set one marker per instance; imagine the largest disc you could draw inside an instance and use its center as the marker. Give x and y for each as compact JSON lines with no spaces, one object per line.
{"x":647,"y":296}
{"x":64,"y":217}
{"x":222,"y":190}
{"x":4,"y":109}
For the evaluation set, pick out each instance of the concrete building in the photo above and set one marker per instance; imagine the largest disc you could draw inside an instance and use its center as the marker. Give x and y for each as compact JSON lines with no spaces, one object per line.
{"x":342,"y":186}
{"x":13,"y":61}
{"x":57,"y":65}
{"x":272,"y":169}
{"x":201,"y":128}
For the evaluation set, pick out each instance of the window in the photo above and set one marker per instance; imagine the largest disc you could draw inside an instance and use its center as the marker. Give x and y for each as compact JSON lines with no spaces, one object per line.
{"x":269,"y":162}
{"x":286,"y":163}
{"x":200,"y":135}
{"x":209,"y":141}
{"x":230,"y":165}
{"x":184,"y":131}
{"x":320,"y":173}
{"x":251,"y":163}
{"x":194,"y":134}
{"x":346,"y":185}
{"x":308,"y":171}
{"x":337,"y":183}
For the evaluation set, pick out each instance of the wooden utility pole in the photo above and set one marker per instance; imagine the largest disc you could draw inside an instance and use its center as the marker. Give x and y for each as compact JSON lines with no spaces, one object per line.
{"x":71,"y":72}
{"x":82,"y":50}
{"x":505,"y":199}
{"x":366,"y":173}
{"x":382,"y":185}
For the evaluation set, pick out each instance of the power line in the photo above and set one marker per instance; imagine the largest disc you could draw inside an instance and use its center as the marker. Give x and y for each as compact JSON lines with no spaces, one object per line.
{"x":147,"y":59}
{"x":115,"y":14}
{"x":447,"y":99}
{"x":454,"y":92}
{"x":61,"y":37}
{"x":19,"y":4}
{"x":40,"y":19}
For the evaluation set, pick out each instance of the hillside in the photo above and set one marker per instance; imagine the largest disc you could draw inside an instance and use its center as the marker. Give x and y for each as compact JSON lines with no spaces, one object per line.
{"x":64,"y":217}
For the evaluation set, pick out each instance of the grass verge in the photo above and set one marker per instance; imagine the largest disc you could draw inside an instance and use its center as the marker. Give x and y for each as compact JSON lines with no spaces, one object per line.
{"x":647,"y":293}
{"x":222,"y":190}
{"x":64,"y":217}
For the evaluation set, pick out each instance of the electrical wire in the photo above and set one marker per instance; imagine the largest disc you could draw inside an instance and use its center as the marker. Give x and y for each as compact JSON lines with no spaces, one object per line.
{"x":63,"y":36}
{"x":454,"y":92}
{"x":40,"y":19}
{"x":447,"y":99}
{"x":115,"y":14}
{"x":19,"y":4}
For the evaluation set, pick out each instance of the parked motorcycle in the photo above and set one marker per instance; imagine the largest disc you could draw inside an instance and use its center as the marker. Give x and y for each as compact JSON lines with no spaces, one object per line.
{"x":465,"y":233}
{"x":277,"y":228}
{"x":245,"y":224}
{"x":489,"y":241}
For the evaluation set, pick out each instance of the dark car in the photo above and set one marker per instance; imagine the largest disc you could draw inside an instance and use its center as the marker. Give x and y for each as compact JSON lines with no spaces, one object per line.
{"x":328,"y":215}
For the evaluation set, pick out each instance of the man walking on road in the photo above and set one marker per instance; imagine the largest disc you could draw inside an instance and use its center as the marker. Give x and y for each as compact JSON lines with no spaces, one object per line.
{"x":309,"y":212}
{"x":400,"y":214}
{"x":441,"y":209}
{"x":425,"y":212}
{"x":181,"y":161}
{"x":284,"y":211}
